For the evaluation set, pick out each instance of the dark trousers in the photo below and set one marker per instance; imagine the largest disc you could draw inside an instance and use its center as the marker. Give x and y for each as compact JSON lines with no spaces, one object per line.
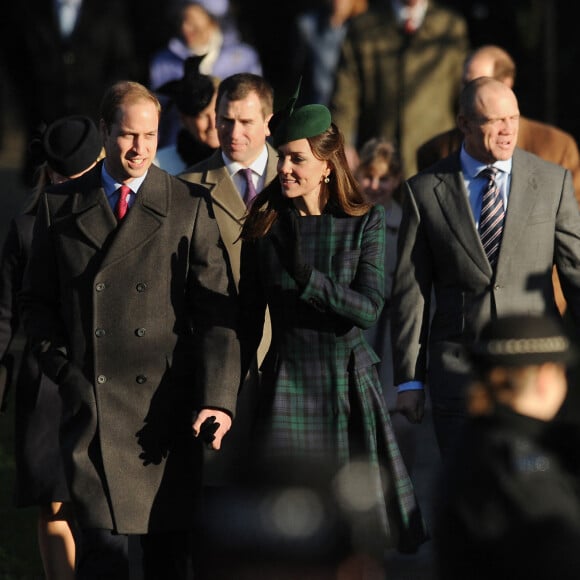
{"x":102,"y":555}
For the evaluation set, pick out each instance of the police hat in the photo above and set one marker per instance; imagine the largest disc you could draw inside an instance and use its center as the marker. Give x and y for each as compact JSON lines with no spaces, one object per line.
{"x":522,"y":340}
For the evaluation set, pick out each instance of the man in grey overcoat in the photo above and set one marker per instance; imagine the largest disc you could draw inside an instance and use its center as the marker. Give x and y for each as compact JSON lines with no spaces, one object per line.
{"x":134,"y":318}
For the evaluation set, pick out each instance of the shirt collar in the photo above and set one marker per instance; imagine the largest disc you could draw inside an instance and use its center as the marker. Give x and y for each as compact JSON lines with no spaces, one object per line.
{"x":471,"y":167}
{"x":258,"y":166}
{"x":414,"y":13}
{"x":111,"y":186}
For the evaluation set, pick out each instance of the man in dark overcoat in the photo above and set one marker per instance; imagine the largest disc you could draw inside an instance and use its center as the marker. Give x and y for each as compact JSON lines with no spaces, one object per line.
{"x":134,"y":317}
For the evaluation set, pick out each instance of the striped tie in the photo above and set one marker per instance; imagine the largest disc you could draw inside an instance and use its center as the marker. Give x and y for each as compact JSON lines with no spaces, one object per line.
{"x":492,"y":216}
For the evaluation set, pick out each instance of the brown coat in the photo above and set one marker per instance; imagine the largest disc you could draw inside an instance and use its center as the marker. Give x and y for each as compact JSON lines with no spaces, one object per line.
{"x":136,"y":323}
{"x":396,"y":86}
{"x":546,"y":141}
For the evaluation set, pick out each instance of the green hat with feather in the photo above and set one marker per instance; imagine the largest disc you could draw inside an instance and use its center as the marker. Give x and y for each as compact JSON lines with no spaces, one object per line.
{"x":293,"y":123}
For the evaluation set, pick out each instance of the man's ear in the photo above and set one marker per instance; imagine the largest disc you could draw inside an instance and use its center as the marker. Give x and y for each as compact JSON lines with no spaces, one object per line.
{"x":267,"y":121}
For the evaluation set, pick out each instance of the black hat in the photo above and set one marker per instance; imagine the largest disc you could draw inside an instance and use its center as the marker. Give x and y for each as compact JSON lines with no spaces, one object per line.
{"x":71,"y":144}
{"x":193,"y":92}
{"x":292,"y":123}
{"x":522,"y":340}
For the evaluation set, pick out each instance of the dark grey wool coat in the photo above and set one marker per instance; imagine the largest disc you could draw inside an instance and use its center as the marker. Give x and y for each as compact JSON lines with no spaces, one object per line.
{"x":136,"y":323}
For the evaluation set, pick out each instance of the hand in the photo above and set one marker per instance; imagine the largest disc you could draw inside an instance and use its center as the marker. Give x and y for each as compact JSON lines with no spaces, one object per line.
{"x":411,"y":404}
{"x":214,"y":417}
{"x":286,"y":237}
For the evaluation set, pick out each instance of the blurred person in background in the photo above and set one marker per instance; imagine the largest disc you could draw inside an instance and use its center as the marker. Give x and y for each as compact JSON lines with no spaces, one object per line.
{"x":68,"y":53}
{"x":319,"y":33}
{"x":198,"y":32}
{"x":399,"y":75}
{"x":194,"y":98}
{"x":68,"y":147}
{"x":380,"y":175}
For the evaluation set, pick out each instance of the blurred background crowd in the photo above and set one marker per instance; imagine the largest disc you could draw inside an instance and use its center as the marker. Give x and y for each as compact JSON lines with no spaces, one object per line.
{"x":53,"y":73}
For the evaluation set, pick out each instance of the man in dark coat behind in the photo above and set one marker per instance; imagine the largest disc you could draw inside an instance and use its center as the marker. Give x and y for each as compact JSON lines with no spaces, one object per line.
{"x":134,"y":318}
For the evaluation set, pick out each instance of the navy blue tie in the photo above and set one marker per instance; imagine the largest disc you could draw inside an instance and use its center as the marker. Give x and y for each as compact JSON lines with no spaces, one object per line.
{"x":492,"y":216}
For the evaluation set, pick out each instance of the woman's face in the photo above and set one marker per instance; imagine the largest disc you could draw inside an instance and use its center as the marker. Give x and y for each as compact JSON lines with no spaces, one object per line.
{"x":197,"y":26}
{"x":203,"y":125}
{"x":300,"y":173}
{"x":376,"y":181}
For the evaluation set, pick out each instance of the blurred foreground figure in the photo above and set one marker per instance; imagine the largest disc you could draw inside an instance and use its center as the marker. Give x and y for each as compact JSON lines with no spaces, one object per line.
{"x":508,"y":501}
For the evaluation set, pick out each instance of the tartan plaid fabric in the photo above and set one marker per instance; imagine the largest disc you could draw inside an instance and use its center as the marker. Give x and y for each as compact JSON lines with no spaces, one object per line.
{"x":321,"y":396}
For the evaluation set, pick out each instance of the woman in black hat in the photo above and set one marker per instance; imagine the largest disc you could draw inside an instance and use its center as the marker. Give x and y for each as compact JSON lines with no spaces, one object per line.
{"x":69,"y":147}
{"x":193,"y":97}
{"x":313,"y":252}
{"x":508,"y":503}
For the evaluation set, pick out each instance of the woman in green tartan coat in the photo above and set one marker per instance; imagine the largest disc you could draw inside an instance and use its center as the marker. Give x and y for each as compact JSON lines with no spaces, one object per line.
{"x":313,"y":252}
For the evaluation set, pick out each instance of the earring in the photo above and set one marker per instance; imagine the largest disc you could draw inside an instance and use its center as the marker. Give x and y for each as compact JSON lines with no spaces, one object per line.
{"x":327,"y":179}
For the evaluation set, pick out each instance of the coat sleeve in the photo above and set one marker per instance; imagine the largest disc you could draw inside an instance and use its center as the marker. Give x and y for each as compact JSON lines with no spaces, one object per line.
{"x":252,"y":303}
{"x":40,"y":299}
{"x":567,"y":246}
{"x":411,"y":296}
{"x":361,"y":301}
{"x":214,"y":309}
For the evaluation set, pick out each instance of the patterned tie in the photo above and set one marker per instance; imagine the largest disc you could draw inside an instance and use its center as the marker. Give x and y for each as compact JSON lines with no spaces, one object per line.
{"x":250,"y":193}
{"x":492,"y":216}
{"x":121,"y":207}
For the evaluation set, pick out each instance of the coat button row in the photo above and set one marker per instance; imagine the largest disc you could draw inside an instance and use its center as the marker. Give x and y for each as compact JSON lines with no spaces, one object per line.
{"x":101,"y":379}
{"x":141,"y":287}
{"x":100,"y":332}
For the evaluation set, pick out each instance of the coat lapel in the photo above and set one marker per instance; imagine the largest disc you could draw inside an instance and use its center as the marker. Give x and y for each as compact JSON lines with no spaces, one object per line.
{"x":452,"y":197}
{"x":223,"y":191}
{"x":95,"y":218}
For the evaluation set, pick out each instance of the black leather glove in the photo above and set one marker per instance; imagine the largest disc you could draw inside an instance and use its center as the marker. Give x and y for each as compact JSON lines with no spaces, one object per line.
{"x":286,"y":237}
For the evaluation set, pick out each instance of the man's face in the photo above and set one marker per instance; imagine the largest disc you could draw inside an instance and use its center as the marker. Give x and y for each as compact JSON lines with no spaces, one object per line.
{"x":131,"y":143}
{"x":242,"y":129}
{"x":492,"y":133}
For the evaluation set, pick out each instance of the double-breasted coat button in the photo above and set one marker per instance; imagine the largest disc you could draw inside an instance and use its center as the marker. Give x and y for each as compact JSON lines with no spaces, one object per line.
{"x":141,"y":287}
{"x":141,"y":379}
{"x":101,"y":379}
{"x":140,"y":332}
{"x":100,"y":287}
{"x":100,"y":332}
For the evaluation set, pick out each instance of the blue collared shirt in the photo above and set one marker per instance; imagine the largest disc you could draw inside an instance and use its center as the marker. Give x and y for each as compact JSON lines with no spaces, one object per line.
{"x":475,"y":185}
{"x":111,"y":187}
